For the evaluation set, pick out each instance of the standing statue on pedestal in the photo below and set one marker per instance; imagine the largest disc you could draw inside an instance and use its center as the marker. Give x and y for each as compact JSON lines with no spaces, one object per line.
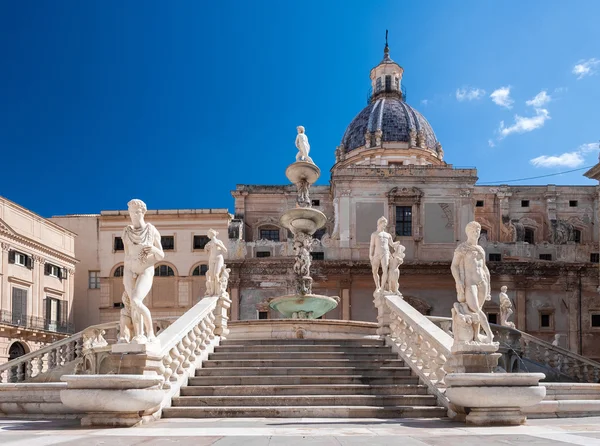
{"x":472,"y":279}
{"x":379,"y":254}
{"x":216,"y":263}
{"x":396,"y":260}
{"x":505,"y":308}
{"x":303,"y":146}
{"x":142,"y":251}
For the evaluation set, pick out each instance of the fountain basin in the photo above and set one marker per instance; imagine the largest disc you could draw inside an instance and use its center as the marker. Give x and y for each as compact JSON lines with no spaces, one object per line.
{"x":302,"y":170}
{"x":305,"y":220}
{"x":309,"y":306}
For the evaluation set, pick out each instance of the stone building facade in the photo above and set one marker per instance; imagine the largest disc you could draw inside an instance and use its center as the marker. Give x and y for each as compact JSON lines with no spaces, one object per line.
{"x":36,"y":281}
{"x":540,"y":240}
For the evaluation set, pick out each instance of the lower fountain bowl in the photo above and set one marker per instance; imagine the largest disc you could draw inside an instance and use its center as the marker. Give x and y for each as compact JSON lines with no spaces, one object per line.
{"x":309,"y":306}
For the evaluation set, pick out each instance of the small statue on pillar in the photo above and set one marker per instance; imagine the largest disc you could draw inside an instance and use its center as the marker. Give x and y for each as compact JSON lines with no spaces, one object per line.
{"x":505,"y":308}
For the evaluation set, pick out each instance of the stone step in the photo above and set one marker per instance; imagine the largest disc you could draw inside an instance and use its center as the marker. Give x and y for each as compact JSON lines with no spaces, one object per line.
{"x":302,"y":348}
{"x":287,"y":380}
{"x":317,"y":363}
{"x":305,"y":389}
{"x":305,"y":400}
{"x":362,"y":356}
{"x":306,"y":412}
{"x":345,"y":342}
{"x":248,"y":371}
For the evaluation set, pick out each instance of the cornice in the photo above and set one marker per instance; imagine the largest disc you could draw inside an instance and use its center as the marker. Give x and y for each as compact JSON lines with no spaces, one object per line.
{"x":32,"y":244}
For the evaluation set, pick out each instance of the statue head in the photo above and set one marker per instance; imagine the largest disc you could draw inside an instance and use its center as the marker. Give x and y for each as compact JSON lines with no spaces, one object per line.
{"x":212,"y":233}
{"x":503,"y":288}
{"x":382,"y":223}
{"x":473,"y":230}
{"x":300,"y":129}
{"x":137,"y":209}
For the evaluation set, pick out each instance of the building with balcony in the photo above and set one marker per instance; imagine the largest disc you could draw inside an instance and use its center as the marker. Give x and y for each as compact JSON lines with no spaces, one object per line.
{"x":36,"y":281}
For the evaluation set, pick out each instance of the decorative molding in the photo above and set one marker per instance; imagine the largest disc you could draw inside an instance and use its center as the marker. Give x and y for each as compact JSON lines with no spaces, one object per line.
{"x":6,"y":246}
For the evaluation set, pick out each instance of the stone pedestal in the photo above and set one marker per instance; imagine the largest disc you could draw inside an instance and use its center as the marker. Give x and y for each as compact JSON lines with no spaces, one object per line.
{"x":494,"y":399}
{"x":383,"y":313}
{"x":476,"y":362}
{"x":221,"y":317}
{"x":113,"y":400}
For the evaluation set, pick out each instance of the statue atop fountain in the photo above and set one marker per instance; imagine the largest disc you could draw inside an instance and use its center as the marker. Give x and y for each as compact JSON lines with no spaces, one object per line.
{"x":303,"y":221}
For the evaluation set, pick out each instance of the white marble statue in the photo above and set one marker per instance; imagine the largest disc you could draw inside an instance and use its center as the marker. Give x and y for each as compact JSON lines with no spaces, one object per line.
{"x":303,"y":146}
{"x":216,"y":263}
{"x":142,"y":251}
{"x":556,"y":341}
{"x":379,"y":254}
{"x":505,"y":308}
{"x":396,"y":260}
{"x":472,"y":279}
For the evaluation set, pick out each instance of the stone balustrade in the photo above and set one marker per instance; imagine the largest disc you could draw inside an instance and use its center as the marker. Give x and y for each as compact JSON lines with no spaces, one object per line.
{"x":422,"y":345}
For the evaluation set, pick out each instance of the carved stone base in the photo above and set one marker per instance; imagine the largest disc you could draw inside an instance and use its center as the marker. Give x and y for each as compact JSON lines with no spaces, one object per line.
{"x":472,"y":362}
{"x":495,"y":417}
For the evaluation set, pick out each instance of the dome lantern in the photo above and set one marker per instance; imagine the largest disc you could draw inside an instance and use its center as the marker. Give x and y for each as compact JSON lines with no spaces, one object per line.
{"x":386,"y":78}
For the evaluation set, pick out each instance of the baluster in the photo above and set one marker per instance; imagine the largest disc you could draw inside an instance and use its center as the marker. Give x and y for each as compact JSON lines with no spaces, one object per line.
{"x":586,"y":373}
{"x":418,"y":350}
{"x":79,"y":348}
{"x":167,"y":363}
{"x":28,"y":369}
{"x":426,"y":358}
{"x":596,"y":375}
{"x":185,"y":354}
{"x":211,"y":325}
{"x":20,"y":372}
{"x":13,"y":374}
{"x":199,"y":340}
{"x":51,"y":362}
{"x":175,"y":363}
{"x":40,"y":364}
{"x":547,"y":357}
{"x":205,"y":337}
{"x":191,"y":337}
{"x":440,"y":373}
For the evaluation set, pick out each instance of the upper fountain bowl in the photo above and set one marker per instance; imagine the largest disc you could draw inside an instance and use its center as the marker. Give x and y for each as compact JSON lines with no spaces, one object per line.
{"x":302,"y":170}
{"x":306,"y":220}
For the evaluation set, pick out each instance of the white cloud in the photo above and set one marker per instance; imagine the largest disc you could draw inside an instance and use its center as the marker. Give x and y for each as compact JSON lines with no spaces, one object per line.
{"x":424,"y":101}
{"x":569,"y":159}
{"x":541,"y":99}
{"x":501,"y":96}
{"x":585,"y":68}
{"x":525,"y":124}
{"x":491,"y":143}
{"x":469,"y":94}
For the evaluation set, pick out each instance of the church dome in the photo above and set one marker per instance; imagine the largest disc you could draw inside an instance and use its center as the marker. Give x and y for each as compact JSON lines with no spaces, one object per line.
{"x":395,"y":119}
{"x":388,"y":123}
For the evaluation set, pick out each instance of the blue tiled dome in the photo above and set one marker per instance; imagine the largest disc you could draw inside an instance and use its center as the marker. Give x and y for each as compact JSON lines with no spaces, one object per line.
{"x":394,"y":117}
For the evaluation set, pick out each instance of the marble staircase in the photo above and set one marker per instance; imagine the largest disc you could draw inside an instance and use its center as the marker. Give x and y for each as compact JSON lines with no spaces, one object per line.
{"x":319,"y":378}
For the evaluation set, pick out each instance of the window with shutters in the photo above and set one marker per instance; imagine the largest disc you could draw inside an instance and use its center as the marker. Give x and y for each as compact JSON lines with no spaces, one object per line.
{"x":19,"y":306}
{"x":167,"y":242}
{"x":118,"y":244}
{"x":18,"y":258}
{"x":55,"y":314}
{"x":52,"y":270}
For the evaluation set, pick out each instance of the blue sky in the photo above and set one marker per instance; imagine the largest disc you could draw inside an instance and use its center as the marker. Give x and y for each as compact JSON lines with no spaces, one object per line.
{"x":176,"y":102}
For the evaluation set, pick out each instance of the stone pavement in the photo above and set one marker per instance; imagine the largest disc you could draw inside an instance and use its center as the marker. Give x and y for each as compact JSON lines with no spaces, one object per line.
{"x":298,"y":431}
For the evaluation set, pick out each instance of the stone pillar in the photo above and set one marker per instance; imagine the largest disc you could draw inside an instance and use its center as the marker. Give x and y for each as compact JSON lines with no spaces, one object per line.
{"x":37,"y":290}
{"x":71,"y":296}
{"x":221,"y":317}
{"x":344,"y":224}
{"x":345,"y":286}
{"x":235,"y":300}
{"x":521,"y":316}
{"x":572,"y":296}
{"x":5,"y":296}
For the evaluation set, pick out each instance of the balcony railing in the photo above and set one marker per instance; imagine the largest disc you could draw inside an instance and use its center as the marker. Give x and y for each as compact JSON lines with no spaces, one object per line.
{"x":34,"y":322}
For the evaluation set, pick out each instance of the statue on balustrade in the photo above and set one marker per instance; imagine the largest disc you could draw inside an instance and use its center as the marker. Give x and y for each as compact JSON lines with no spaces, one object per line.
{"x":505,"y":308}
{"x":216,"y":263}
{"x":382,"y":257}
{"x":303,"y":146}
{"x":142,"y":251}
{"x":472,"y":279}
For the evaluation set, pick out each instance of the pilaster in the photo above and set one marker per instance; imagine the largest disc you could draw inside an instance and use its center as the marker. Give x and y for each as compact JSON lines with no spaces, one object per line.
{"x":5,"y":298}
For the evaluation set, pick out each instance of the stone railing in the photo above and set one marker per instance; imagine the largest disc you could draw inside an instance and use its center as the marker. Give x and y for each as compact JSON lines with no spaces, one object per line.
{"x":516,"y":346}
{"x":422,"y":345}
{"x":57,"y":354}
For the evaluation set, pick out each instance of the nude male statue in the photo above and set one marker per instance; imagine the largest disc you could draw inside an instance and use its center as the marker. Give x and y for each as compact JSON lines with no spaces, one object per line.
{"x":472,"y":277}
{"x":302,"y":145}
{"x":216,"y":262}
{"x":142,"y":251}
{"x":379,"y":253}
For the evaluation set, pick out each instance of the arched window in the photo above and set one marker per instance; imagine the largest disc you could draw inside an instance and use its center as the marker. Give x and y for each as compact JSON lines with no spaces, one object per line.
{"x":119,"y":271}
{"x":200,"y":270}
{"x":16,"y":350}
{"x":529,"y":236}
{"x":163,"y":271}
{"x":577,"y":236}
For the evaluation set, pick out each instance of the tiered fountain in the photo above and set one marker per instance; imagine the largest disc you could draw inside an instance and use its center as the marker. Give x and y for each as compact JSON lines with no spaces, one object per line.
{"x":303,"y":221}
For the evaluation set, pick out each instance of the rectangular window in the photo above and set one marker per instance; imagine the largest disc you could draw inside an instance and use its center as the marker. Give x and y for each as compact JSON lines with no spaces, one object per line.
{"x":263,"y":254}
{"x":595,"y":257}
{"x":529,"y":236}
{"x":573,"y":203}
{"x":55,"y":314}
{"x":19,"y":306}
{"x":263,"y":315}
{"x":20,"y":259}
{"x":524,"y":203}
{"x":493,"y":318}
{"x":315,"y":202}
{"x":479,"y":203}
{"x":378,"y":85}
{"x":577,"y":236}
{"x":118,"y":244}
{"x":269,"y":234}
{"x":495,"y":257}
{"x":93,"y":280}
{"x":595,"y":320}
{"x":317,"y":255}
{"x":388,"y":83}
{"x":52,"y":270}
{"x":404,"y":221}
{"x":167,"y":242}
{"x":545,"y":256}
{"x":547,"y":319}
{"x":200,"y":241}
